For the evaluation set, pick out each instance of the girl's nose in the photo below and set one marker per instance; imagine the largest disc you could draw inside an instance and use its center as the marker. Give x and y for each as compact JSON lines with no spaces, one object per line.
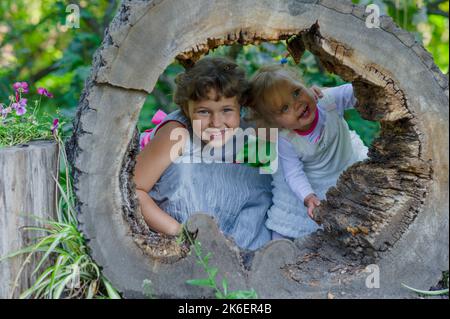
{"x":216,"y":120}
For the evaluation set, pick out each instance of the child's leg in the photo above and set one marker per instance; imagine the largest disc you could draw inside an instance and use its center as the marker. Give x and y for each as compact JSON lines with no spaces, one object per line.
{"x":276,"y":236}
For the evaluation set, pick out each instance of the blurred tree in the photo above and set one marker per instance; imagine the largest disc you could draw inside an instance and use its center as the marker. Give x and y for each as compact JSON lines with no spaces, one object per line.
{"x":426,"y":19}
{"x":36,"y":46}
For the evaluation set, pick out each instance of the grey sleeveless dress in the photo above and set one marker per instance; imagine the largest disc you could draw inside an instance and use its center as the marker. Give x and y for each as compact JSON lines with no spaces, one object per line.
{"x":236,"y":195}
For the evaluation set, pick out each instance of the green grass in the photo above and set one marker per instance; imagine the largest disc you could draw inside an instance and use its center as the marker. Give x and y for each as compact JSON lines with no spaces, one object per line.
{"x":20,"y":130}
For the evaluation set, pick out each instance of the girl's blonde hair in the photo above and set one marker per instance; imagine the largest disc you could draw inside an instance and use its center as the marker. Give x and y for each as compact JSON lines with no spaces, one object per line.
{"x":267,"y":92}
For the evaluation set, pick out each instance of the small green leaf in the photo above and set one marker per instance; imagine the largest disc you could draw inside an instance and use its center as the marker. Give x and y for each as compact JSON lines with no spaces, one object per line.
{"x":220,"y":295}
{"x":225,"y":286}
{"x":212,"y":272}
{"x":201,"y":282}
{"x":207,"y":258}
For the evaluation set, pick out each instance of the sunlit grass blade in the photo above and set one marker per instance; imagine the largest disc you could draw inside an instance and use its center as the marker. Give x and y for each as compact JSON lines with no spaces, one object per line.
{"x":112,"y":293}
{"x":428,"y":292}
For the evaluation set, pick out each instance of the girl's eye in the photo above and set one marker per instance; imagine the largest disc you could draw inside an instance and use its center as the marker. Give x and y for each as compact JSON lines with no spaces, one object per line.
{"x":284,"y":108}
{"x":228,"y":110}
{"x":296,"y":93}
{"x":202,"y":112}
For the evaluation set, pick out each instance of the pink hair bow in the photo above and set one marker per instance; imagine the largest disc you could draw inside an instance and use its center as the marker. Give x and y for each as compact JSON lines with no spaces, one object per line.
{"x":156,"y":119}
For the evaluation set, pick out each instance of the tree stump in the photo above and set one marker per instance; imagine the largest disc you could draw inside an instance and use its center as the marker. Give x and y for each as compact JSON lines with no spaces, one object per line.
{"x":27,"y":189}
{"x":390,"y":210}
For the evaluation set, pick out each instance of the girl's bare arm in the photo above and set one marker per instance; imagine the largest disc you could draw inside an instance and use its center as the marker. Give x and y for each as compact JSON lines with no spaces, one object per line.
{"x":151,"y":163}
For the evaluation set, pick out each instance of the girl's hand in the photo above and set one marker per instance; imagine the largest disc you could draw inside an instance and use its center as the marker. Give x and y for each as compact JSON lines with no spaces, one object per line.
{"x":311,"y":202}
{"x":317,"y":92}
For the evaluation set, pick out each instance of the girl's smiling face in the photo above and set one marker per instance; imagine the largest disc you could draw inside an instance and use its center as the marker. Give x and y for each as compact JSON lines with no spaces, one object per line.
{"x":215,"y":121}
{"x":294,"y":107}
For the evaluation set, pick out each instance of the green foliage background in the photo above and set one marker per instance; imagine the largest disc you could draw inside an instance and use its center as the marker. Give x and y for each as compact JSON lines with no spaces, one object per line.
{"x":35,"y":46}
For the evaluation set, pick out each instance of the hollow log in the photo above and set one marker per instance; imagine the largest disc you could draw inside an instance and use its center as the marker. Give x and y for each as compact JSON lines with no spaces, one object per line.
{"x":390,"y":210}
{"x":27,"y":189}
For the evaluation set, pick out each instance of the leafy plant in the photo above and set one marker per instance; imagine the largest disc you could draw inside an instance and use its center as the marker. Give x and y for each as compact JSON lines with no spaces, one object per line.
{"x":19,"y":126}
{"x":211,"y":280}
{"x":257,"y":153}
{"x":367,"y":130}
{"x":72,"y":273}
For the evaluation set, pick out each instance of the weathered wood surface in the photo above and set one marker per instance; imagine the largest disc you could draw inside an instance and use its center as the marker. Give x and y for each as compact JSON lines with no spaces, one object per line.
{"x":26,"y":188}
{"x":391,"y":210}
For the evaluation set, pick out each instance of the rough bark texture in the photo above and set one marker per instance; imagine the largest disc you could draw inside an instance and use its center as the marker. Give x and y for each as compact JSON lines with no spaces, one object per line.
{"x":391,"y":209}
{"x":27,"y":189}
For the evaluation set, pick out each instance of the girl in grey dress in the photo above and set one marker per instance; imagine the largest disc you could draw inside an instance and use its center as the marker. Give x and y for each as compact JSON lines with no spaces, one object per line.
{"x":170,"y":189}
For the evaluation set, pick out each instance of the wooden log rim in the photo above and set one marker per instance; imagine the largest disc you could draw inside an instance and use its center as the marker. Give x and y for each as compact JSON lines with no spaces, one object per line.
{"x":390,"y":210}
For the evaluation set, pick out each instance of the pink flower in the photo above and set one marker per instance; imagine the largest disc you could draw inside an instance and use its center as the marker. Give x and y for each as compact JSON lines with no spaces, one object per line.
{"x":21,"y":87}
{"x":43,"y":91}
{"x":55,"y":125}
{"x":156,"y":119}
{"x":144,"y":138}
{"x":20,"y":107}
{"x":4,"y":110}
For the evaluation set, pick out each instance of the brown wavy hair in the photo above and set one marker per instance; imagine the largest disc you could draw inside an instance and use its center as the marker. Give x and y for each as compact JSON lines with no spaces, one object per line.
{"x":222,"y":75}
